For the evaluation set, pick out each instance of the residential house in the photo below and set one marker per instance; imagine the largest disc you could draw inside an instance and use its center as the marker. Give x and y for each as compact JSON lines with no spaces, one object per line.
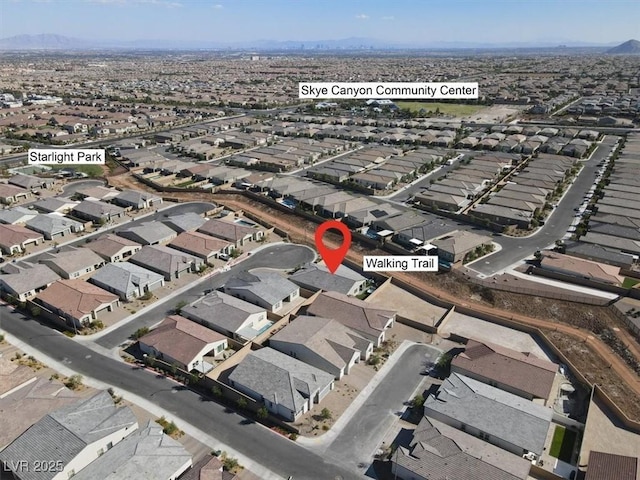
{"x":97,"y":212}
{"x":323,"y":343}
{"x":166,"y":261}
{"x":54,"y":226}
{"x":455,"y":246}
{"x":16,"y":239}
{"x":185,"y":222}
{"x":16,"y":215}
{"x":54,"y":204}
{"x":127,"y":280}
{"x":232,"y":231}
{"x":286,"y":386}
{"x":269,"y":290}
{"x":69,"y":439}
{"x":490,"y":414}
{"x":137,"y":200}
{"x":29,"y":182}
{"x":97,"y":193}
{"x":316,"y":277}
{"x":208,"y":468}
{"x":201,"y":245}
{"x":146,"y":453}
{"x":184,"y":343}
{"x":607,"y":466}
{"x":360,"y":316}
{"x":27,"y":280}
{"x":72,"y":262}
{"x":228,"y":315}
{"x":438,"y":451}
{"x":113,"y":248}
{"x":10,"y":194}
{"x":77,"y":301}
{"x":522,"y":374}
{"x":150,"y":233}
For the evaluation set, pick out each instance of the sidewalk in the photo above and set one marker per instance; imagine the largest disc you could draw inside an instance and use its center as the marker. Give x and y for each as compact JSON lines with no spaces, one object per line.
{"x":189,"y":429}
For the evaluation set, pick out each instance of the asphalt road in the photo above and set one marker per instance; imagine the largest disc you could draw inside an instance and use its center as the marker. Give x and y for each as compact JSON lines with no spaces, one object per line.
{"x":197,"y":207}
{"x":359,"y":439}
{"x":256,"y":442}
{"x":284,"y":256}
{"x":556,"y":226}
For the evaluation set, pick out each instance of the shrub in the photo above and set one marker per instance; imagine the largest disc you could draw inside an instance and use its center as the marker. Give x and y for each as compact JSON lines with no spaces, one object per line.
{"x":180,"y":305}
{"x":293,"y":436}
{"x":241,"y":402}
{"x":374,"y":360}
{"x":262,"y":413}
{"x":147,"y":296}
{"x":141,"y":332}
{"x":1,"y":338}
{"x":418,"y":401}
{"x":74,"y":382}
{"x":230,"y":463}
{"x":325,"y":414}
{"x":216,"y":391}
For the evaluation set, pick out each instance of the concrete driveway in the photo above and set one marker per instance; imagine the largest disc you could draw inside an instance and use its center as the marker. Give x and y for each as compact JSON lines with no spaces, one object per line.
{"x":355,"y":444}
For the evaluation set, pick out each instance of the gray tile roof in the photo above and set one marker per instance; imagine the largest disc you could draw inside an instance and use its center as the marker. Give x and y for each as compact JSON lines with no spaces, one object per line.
{"x":500,"y":414}
{"x":185,"y":222}
{"x":268,"y":286}
{"x":318,"y":277}
{"x":109,"y":245}
{"x":145,"y":454}
{"x":51,"y":224}
{"x":125,"y":278}
{"x":133,"y":197}
{"x":219,"y":309}
{"x":16,"y":215}
{"x":148,"y":233}
{"x":28,"y":279}
{"x":53,"y":204}
{"x":63,"y":434}
{"x":441,"y":453}
{"x":164,"y":260}
{"x":95,"y":209}
{"x":280,"y":378}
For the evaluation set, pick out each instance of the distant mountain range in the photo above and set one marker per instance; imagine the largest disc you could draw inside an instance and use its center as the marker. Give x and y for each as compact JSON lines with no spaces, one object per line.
{"x":631,"y":47}
{"x":49,"y":41}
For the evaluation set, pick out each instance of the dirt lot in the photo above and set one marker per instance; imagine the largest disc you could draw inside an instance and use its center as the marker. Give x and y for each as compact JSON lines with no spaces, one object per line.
{"x":571,"y":320}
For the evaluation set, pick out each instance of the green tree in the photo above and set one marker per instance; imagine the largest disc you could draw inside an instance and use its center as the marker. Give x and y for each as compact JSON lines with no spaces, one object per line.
{"x":417,"y":401}
{"x":180,"y":305}
{"x":242,"y":403}
{"x":141,"y":332}
{"x":216,"y":391}
{"x":326,"y":414}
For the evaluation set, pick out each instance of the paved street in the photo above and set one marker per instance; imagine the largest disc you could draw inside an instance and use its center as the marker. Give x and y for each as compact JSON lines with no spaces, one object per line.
{"x":515,"y":249}
{"x":282,"y":256}
{"x":356,"y":443}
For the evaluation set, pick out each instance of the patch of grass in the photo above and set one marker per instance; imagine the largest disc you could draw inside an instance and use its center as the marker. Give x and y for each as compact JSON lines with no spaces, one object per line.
{"x":629,"y":282}
{"x":562,"y":444}
{"x":455,"y":109}
{"x":90,"y":170}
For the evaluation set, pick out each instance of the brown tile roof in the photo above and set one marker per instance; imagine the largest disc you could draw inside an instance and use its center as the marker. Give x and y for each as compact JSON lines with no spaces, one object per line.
{"x":181,"y":338}
{"x":509,"y":367}
{"x":76,"y":298}
{"x":209,"y":468}
{"x":110,"y":244}
{"x":15,"y":234}
{"x":198,"y":243}
{"x":226,"y":230}
{"x":351,"y":312}
{"x":606,"y":466}
{"x":10,"y":190}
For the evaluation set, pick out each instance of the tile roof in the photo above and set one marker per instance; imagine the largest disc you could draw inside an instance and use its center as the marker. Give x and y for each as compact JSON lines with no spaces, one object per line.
{"x":76,"y":298}
{"x":16,"y":215}
{"x":226,"y":230}
{"x":163,"y":259}
{"x":218,"y":308}
{"x":492,"y":411}
{"x":185,"y":222}
{"x":110,"y":244}
{"x":11,"y":235}
{"x":97,"y":209}
{"x":181,"y":338}
{"x":522,"y":371}
{"x":28,"y":279}
{"x":318,"y":277}
{"x":52,"y":224}
{"x":71,"y":259}
{"x":209,"y":468}
{"x":198,"y":243}
{"x":65,"y":433}
{"x":146,"y":453}
{"x":280,"y":378}
{"x":351,"y":312}
{"x":268,"y":286}
{"x":148,"y":233}
{"x":606,"y":466}
{"x":327,"y":338}
{"x":125,"y":278}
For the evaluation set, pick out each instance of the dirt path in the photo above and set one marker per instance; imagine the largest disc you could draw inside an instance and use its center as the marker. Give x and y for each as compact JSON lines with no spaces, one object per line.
{"x":611,"y":372}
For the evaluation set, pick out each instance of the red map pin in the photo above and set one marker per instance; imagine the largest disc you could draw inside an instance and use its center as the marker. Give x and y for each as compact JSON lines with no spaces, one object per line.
{"x":333,"y":257}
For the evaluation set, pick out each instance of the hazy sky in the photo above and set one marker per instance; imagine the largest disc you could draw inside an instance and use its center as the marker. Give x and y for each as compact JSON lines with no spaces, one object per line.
{"x":422,"y":21}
